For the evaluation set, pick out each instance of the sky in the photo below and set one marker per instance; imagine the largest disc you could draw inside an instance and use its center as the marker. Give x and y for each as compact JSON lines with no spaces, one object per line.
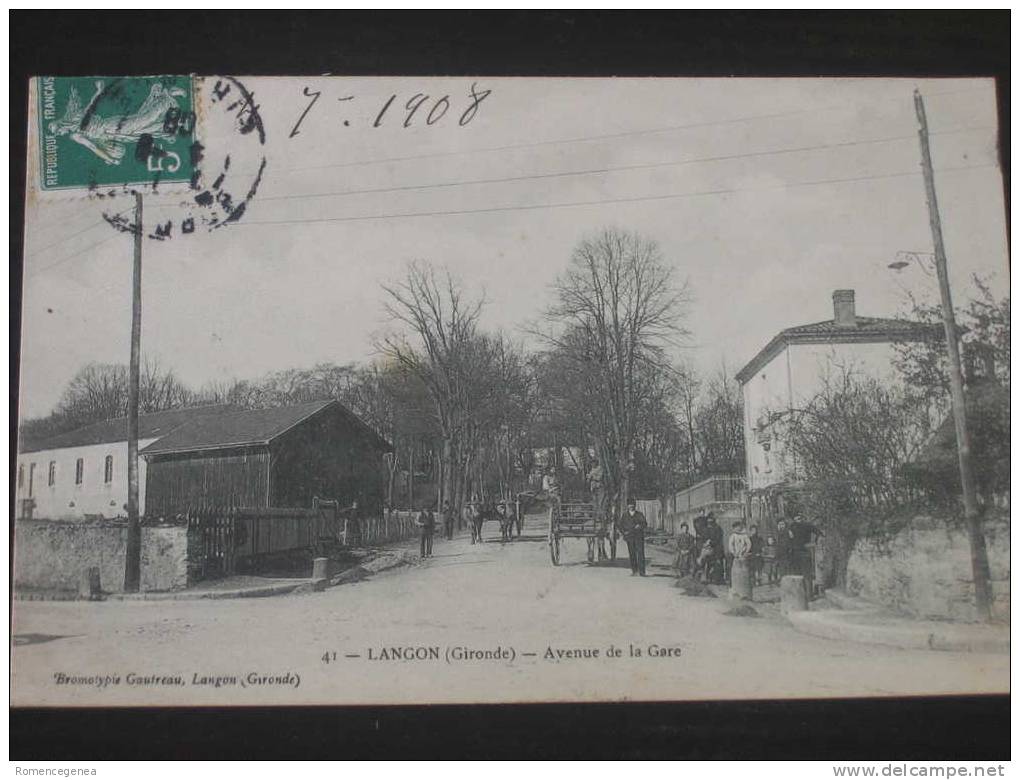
{"x":764,"y":195}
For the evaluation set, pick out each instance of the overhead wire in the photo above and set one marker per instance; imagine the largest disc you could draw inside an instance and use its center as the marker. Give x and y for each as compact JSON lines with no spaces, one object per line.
{"x":606,"y":169}
{"x":557,"y":174}
{"x":75,"y":234}
{"x":608,"y":136}
{"x":598,"y":202}
{"x":39,"y":271}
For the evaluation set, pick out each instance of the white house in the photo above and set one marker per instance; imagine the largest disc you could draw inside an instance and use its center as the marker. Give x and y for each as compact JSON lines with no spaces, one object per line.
{"x":83,"y":473}
{"x":790,"y":369}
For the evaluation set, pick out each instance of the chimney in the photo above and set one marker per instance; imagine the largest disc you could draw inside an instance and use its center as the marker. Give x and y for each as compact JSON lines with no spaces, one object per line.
{"x":843,"y":309}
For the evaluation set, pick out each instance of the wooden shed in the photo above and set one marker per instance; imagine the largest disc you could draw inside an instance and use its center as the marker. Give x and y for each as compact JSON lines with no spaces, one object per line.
{"x":280,"y":457}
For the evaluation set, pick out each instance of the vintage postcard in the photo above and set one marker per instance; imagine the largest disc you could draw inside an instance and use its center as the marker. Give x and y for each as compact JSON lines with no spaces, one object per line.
{"x":453,"y":390}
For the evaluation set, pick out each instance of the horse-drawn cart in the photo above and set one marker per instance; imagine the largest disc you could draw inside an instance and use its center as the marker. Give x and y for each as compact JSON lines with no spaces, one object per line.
{"x":579,"y":520}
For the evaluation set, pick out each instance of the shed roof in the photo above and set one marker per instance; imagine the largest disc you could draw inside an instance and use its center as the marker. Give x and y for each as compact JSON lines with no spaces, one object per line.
{"x":198,"y":428}
{"x":867,"y":330}
{"x":150,"y":426}
{"x":247,"y":428}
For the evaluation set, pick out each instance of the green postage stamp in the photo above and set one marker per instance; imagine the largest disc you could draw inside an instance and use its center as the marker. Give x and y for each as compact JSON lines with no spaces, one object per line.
{"x":96,"y":132}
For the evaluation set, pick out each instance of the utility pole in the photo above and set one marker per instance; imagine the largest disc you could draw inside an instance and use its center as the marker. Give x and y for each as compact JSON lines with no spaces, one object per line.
{"x":978,"y":551}
{"x":133,"y":552}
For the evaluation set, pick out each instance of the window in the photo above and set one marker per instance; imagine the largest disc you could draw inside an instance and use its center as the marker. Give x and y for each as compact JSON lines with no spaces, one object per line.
{"x":108,"y":470}
{"x":79,"y":471}
{"x":21,"y":476}
{"x":51,"y":480}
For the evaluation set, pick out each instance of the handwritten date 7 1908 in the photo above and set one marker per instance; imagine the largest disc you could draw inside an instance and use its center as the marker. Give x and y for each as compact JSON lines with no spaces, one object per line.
{"x":418,"y":109}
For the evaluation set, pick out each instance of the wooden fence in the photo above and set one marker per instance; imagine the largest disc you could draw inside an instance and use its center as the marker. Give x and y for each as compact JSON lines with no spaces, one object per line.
{"x":391,"y":527}
{"x":220,"y":541}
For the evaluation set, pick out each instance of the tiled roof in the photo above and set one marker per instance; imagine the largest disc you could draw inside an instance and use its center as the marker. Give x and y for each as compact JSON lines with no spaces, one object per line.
{"x":150,"y":426}
{"x":865,"y":326}
{"x":866,"y":330}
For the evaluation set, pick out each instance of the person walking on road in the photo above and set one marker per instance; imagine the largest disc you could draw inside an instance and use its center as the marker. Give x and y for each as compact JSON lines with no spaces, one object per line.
{"x":426,"y":523}
{"x":632,"y":525}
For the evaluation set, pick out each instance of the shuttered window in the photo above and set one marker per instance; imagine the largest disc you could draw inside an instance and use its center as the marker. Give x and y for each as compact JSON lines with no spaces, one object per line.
{"x":79,"y":471}
{"x":108,"y":469}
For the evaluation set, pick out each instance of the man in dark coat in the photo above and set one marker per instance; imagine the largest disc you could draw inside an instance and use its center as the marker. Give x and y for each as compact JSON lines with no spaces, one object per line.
{"x":714,"y":534}
{"x":784,"y":550}
{"x":802,"y":535}
{"x":632,"y":525}
{"x":426,"y":523}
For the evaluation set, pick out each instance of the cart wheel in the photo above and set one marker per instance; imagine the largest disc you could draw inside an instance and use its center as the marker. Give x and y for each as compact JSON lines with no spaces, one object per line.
{"x":554,"y":549}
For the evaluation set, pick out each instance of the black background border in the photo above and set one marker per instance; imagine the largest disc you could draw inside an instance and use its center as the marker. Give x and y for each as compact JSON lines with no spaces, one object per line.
{"x":485,"y":43}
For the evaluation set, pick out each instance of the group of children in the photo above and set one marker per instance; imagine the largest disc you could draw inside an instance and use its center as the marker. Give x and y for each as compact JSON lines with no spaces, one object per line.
{"x":703,"y":556}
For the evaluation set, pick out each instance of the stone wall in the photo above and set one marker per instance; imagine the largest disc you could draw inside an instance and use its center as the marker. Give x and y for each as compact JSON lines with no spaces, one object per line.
{"x":53,"y":555}
{"x":925,"y":570}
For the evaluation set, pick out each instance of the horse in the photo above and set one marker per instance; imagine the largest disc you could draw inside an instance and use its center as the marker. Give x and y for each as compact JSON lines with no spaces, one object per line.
{"x":507,"y":516}
{"x":478,"y":514}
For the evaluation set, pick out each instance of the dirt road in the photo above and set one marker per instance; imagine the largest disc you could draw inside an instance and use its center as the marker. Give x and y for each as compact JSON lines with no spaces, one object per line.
{"x":488,"y":622}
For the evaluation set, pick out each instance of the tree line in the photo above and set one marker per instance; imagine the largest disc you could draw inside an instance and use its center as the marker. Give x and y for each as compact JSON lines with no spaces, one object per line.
{"x":476,"y":413}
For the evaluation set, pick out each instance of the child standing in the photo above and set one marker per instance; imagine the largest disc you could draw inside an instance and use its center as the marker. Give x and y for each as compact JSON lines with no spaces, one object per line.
{"x":769,"y":559}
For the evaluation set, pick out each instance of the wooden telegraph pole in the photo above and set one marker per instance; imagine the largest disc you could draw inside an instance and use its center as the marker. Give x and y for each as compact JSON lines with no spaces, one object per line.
{"x":133,"y":552}
{"x":978,"y":551}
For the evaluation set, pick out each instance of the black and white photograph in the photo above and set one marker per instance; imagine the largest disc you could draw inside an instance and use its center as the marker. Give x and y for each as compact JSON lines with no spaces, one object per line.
{"x":489,"y":390}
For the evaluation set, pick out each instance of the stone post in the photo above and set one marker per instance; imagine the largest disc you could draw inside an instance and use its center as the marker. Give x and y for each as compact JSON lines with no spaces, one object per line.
{"x":320,"y":568}
{"x":793,"y":596}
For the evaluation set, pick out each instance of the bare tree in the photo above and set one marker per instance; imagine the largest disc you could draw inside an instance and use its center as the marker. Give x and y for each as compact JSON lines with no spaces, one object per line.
{"x":852,"y":441}
{"x":444,"y":326}
{"x":99,"y":391}
{"x":617,"y":308}
{"x":718,"y":427}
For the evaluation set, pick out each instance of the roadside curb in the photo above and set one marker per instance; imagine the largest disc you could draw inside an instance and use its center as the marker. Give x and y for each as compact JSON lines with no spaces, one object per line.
{"x":388,"y":560}
{"x":261,"y":591}
{"x":873,"y":627}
